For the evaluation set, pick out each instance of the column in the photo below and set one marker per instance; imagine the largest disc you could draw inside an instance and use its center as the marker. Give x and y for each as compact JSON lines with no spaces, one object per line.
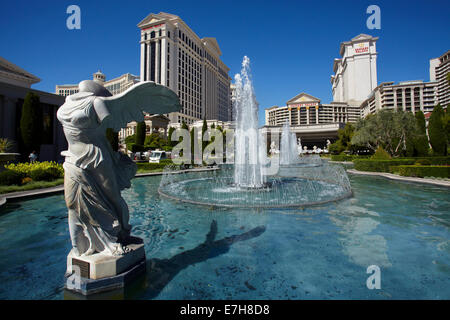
{"x":290,"y":119}
{"x":421,"y":98}
{"x":307,"y":115}
{"x":404,"y":99}
{"x":142,"y":61}
{"x":317,"y":114}
{"x":149,"y":61}
{"x":413,"y":108}
{"x":395,"y":99}
{"x":157,"y":66}
{"x":298,"y":115}
{"x":164,"y":61}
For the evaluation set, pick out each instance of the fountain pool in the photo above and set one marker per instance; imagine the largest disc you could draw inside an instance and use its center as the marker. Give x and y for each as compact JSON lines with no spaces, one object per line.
{"x":198,"y":252}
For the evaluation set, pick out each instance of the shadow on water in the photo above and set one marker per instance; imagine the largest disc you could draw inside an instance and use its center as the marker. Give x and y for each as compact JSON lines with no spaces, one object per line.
{"x":161,"y":271}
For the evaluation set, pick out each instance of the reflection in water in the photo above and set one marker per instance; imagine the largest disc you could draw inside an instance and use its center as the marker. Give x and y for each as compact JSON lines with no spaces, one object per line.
{"x":161,"y":271}
{"x":359,"y":244}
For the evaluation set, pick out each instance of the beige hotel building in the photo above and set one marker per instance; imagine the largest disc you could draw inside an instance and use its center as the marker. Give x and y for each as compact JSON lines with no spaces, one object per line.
{"x":115,"y":86}
{"x":356,"y":94}
{"x":172,"y":54}
{"x":354,"y":79}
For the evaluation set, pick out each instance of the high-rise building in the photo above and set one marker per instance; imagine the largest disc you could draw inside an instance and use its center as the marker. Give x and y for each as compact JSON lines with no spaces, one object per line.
{"x":355,"y":73}
{"x":439,"y":72}
{"x":406,"y":95}
{"x":115,"y":86}
{"x":173,"y":55}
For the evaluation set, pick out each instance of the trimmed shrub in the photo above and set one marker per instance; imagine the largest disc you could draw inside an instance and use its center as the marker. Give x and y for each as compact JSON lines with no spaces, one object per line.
{"x":10,"y":177}
{"x":154,"y":166}
{"x":48,"y":174}
{"x":345,"y":157}
{"x":31,"y":123}
{"x":437,"y":161}
{"x":423,"y":162}
{"x":381,"y":154}
{"x":38,"y":170}
{"x":383,"y":165}
{"x":380,"y":165}
{"x":422,"y":171}
{"x":140,"y":133}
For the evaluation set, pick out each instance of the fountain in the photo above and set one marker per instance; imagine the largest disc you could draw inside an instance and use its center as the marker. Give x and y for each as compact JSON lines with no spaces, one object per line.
{"x":298,"y":182}
{"x":248,"y":171}
{"x":288,"y":150}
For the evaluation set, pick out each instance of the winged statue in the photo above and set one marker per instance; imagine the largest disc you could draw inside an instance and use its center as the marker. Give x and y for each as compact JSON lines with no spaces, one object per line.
{"x":95,"y":175}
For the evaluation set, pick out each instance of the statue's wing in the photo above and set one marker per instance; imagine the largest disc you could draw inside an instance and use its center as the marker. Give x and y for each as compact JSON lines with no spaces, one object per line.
{"x":129,"y":106}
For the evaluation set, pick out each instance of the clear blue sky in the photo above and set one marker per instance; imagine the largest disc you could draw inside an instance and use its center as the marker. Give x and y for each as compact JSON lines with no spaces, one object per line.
{"x":291,"y":44}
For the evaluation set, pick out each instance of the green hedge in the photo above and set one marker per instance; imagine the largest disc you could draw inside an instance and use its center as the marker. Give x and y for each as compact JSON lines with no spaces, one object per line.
{"x":37,"y":171}
{"x":146,"y":166}
{"x":345,"y":157}
{"x":422,"y":171}
{"x":9,"y":177}
{"x":383,"y":165}
{"x":380,"y":165}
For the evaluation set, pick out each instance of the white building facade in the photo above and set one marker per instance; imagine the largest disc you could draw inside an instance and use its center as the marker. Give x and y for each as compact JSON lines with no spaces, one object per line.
{"x":439,"y":70}
{"x":115,"y":86}
{"x":173,"y":55}
{"x":409,"y":96}
{"x":355,"y":73}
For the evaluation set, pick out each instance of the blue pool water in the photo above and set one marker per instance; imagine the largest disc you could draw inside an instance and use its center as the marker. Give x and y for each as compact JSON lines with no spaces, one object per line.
{"x":198,"y":252}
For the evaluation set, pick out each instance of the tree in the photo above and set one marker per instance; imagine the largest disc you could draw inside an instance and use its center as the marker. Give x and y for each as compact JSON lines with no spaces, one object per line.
{"x":140,"y":133}
{"x":343,"y":142}
{"x":113,"y":138}
{"x":169,"y":137}
{"x":130,"y":139}
{"x":192,"y":145}
{"x":420,"y":142}
{"x":438,"y":137}
{"x":184,"y":126}
{"x":31,"y":123}
{"x":393,"y":130}
{"x":446,"y":123}
{"x":204,"y":129}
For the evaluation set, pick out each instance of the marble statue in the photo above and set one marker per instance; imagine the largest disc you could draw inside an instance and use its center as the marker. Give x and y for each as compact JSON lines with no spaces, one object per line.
{"x":299,"y":145}
{"x":94,"y":173}
{"x":273,"y":148}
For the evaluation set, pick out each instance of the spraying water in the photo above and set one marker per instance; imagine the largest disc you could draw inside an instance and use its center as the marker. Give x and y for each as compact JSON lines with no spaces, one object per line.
{"x":288,"y":146}
{"x":248,"y":170}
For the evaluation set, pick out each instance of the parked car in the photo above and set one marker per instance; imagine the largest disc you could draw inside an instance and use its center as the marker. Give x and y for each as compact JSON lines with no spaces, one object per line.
{"x":157,"y":155}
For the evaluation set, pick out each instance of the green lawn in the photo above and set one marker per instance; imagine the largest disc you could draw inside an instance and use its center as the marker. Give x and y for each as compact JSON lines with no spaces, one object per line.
{"x":31,"y":185}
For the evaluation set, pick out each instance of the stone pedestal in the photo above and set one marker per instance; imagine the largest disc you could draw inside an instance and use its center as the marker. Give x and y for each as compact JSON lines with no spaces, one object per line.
{"x":98,"y":272}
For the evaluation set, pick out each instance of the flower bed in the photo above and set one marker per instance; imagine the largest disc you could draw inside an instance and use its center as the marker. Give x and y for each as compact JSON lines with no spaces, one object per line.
{"x":22,"y":173}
